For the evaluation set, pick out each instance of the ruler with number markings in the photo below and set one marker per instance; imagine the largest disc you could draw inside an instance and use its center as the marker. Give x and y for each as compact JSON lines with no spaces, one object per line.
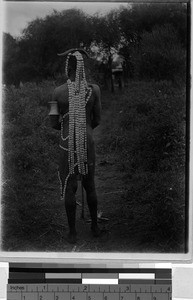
{"x":88,"y":292}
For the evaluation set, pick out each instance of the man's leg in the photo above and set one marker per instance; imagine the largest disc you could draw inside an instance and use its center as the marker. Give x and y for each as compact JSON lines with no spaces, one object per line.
{"x":70,"y":191}
{"x":89,"y":186}
{"x":70,"y":205}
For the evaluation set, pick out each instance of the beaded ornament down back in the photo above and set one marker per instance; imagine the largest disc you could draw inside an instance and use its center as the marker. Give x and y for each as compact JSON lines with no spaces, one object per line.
{"x":79,"y":94}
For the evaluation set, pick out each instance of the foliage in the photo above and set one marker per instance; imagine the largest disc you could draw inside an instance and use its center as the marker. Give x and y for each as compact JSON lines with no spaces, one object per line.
{"x":145,"y":134}
{"x":149,"y":133}
{"x":106,"y":31}
{"x":54,"y":34}
{"x":139,"y":18}
{"x":42,"y":39}
{"x":151,"y":37}
{"x":107,"y":39}
{"x":154,"y":40}
{"x":29,"y":150}
{"x":10,"y":50}
{"x":161,"y":55}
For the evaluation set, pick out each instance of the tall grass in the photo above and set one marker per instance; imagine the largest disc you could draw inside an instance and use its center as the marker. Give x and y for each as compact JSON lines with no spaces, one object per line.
{"x":29,"y":163}
{"x":145,"y":133}
{"x":148,"y":135}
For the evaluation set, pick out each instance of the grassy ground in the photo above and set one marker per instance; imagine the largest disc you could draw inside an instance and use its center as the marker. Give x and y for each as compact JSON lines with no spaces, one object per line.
{"x":140,"y":147}
{"x":147,"y":136}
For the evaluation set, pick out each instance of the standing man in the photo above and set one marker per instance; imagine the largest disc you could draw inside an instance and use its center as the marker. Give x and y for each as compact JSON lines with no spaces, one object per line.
{"x":79,"y":108}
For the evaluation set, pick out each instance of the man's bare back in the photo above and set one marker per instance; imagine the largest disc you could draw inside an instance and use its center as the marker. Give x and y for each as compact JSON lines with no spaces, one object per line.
{"x":93,"y":107}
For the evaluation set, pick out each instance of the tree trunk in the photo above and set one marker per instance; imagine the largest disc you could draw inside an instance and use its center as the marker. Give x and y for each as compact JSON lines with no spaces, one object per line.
{"x":111,"y":74}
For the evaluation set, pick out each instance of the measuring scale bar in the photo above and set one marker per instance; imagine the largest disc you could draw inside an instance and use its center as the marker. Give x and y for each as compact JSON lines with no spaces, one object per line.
{"x":89,"y":292}
{"x":33,"y":282}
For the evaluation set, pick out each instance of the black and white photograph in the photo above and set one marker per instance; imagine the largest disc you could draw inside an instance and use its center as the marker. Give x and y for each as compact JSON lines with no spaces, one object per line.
{"x":95,"y":127}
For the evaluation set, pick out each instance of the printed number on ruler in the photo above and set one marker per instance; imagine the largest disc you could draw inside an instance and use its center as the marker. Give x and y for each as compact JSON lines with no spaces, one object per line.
{"x":86,"y":296}
{"x":85,"y":292}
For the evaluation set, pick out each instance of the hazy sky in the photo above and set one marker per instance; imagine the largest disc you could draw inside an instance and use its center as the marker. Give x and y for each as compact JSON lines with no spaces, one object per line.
{"x":18,"y":14}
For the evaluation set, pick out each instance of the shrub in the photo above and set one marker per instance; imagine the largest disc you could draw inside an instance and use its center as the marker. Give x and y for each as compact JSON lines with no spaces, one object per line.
{"x":161,"y":55}
{"x":29,"y":151}
{"x":149,"y":133}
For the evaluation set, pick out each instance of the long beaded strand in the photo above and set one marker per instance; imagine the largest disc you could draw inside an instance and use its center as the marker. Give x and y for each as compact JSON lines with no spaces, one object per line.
{"x":79,"y":94}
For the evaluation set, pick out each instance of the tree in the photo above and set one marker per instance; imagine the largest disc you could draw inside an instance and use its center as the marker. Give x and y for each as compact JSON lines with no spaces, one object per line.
{"x":43,"y":38}
{"x":107,"y":39}
{"x":136,"y":19}
{"x":141,"y":21}
{"x":54,"y":34}
{"x":10,"y":50}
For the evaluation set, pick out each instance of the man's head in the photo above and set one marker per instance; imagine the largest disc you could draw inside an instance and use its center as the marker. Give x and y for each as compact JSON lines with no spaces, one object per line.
{"x":75,"y":68}
{"x":72,"y":65}
{"x":74,"y":61}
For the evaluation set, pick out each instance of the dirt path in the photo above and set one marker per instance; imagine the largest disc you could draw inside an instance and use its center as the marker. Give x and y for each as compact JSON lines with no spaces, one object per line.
{"x":109,"y":187}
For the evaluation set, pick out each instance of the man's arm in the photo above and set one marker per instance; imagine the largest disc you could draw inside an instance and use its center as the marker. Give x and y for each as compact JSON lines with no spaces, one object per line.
{"x":97,"y":107}
{"x":54,"y":119}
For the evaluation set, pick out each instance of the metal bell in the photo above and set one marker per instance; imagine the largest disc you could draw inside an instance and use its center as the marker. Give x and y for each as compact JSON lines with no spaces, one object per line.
{"x":53,"y":108}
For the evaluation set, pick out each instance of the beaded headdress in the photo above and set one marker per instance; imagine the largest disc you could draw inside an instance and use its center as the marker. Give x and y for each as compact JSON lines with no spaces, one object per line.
{"x":79,"y":94}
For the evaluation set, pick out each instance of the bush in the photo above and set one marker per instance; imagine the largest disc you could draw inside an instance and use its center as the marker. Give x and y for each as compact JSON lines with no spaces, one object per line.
{"x":149,"y":132}
{"x":161,"y":55}
{"x":29,"y":151}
